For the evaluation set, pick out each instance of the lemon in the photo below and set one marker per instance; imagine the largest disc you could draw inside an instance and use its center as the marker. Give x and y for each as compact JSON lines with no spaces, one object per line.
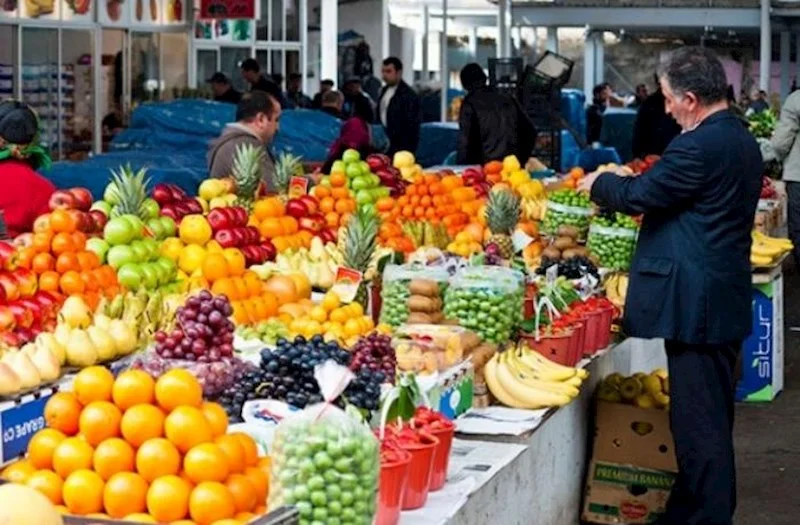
{"x":339,"y":315}
{"x":518,"y":177}
{"x":356,"y":309}
{"x":171,"y":248}
{"x":213,"y":246}
{"x":194,"y":229}
{"x":330,"y":302}
{"x":313,"y":328}
{"x":511,"y":164}
{"x":352,"y":327}
{"x":319,"y":314}
{"x":191,"y":258}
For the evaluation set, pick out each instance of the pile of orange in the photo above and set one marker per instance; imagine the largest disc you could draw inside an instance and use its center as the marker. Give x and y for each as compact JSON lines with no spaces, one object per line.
{"x":59,"y":258}
{"x":269,"y":216}
{"x":143,"y":450}
{"x":336,"y":202}
{"x":250,"y":301}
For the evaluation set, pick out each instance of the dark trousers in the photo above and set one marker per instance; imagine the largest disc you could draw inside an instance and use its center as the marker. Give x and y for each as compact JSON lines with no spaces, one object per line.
{"x":702,"y":383}
{"x":793,"y":216}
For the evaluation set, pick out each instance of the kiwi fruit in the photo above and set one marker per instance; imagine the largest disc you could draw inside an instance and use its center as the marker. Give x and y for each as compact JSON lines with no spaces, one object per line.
{"x":551,"y":252}
{"x":562,"y":243}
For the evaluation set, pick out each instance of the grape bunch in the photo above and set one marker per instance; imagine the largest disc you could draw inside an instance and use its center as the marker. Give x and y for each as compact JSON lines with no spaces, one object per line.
{"x":248,"y":387}
{"x":203,"y":334}
{"x":215,"y":377}
{"x":288,"y":374}
{"x":572,"y":268}
{"x":375,"y":351}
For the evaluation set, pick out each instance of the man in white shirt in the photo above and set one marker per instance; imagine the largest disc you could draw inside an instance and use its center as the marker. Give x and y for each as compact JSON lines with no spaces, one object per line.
{"x":399,"y":109}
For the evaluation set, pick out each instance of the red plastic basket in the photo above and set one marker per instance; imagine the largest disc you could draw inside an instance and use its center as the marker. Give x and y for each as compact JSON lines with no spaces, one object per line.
{"x":394,"y":477}
{"x":419,"y":471}
{"x":441,"y":456}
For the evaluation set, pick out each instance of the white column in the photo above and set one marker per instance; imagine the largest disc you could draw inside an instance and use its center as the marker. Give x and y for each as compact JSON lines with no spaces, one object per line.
{"x":765,"y":55}
{"x":786,"y":40}
{"x":589,"y":69}
{"x":502,"y":28}
{"x":328,"y":40}
{"x":385,"y":52}
{"x":552,"y":39}
{"x":599,"y":58}
{"x":516,"y":39}
{"x":473,"y":42}
{"x":303,"y":15}
{"x":445,"y":69}
{"x":426,"y":22}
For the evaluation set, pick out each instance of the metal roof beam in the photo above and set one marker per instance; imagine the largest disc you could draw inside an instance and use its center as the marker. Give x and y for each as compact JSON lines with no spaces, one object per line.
{"x":634,"y":17}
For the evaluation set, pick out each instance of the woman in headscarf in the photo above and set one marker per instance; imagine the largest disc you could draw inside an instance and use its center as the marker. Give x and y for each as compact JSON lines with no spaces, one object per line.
{"x":25,"y":193}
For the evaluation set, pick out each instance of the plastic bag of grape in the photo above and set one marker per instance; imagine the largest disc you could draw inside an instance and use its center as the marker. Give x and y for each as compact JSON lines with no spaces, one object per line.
{"x":613,"y":245}
{"x":324,"y":461}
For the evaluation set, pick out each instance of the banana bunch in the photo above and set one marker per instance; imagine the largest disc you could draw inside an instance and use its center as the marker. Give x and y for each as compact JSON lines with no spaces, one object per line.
{"x":533,"y":208}
{"x":641,"y":390}
{"x":523,"y":378}
{"x":766,"y":250}
{"x":616,"y":288}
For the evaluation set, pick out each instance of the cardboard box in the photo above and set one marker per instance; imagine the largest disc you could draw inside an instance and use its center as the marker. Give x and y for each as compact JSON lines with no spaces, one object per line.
{"x":763,"y":352}
{"x":633,"y":465}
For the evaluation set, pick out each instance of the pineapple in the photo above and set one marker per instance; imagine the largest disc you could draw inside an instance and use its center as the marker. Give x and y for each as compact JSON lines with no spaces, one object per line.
{"x":502,"y":215}
{"x":129,"y":189}
{"x":247,"y":173}
{"x":286,"y":167}
{"x":359,"y":242}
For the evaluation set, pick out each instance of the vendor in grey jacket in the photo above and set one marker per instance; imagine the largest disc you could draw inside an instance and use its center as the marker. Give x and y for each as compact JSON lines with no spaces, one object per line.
{"x":257,"y":116}
{"x":787,"y":149}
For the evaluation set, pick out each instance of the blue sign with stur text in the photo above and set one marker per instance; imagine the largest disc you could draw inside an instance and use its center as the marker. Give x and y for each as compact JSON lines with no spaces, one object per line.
{"x":19,"y":423}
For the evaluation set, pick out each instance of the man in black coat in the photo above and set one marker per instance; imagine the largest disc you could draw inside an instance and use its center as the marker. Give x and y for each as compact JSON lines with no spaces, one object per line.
{"x":251,"y":72}
{"x":399,"y":109}
{"x":654,"y":128}
{"x":492,"y":125}
{"x":690,"y":276}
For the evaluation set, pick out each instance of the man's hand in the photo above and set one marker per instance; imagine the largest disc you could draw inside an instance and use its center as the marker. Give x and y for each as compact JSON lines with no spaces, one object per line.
{"x":586,"y":183}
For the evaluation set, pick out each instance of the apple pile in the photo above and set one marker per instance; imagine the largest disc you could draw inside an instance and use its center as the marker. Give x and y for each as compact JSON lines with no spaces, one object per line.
{"x":367,"y":187}
{"x":305,"y":209}
{"x":136,"y":257}
{"x":389,"y":175}
{"x":78,"y":202}
{"x":174,"y":202}
{"x":230,"y":230}
{"x":476,"y":178}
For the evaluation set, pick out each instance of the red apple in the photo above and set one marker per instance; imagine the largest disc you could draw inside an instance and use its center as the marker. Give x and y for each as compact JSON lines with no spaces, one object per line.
{"x":25,"y":335}
{"x":177,"y":192}
{"x":28,"y":283}
{"x":253,"y":235}
{"x":162,"y":194}
{"x":311,"y":203}
{"x":310,"y":224}
{"x":62,"y":200}
{"x":10,"y":285}
{"x":99,"y":219}
{"x":168,"y":210}
{"x":47,"y":302}
{"x":11,"y":339}
{"x":296,"y":208}
{"x":8,"y":255}
{"x":327,"y":235}
{"x":269,"y":249}
{"x":7,"y":322}
{"x":193,"y":206}
{"x":22,"y":316}
{"x":226,"y":238}
{"x":218,"y":219}
{"x":34,"y":308}
{"x":23,"y":240}
{"x":83,"y":198}
{"x":82,"y":219}
{"x":240,"y":215}
{"x":251,"y":255}
{"x":378,"y":161}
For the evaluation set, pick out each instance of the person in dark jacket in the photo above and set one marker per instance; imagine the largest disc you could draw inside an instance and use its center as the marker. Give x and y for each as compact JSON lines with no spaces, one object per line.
{"x":690,"y":280}
{"x":332,"y":103}
{"x":594,"y":113}
{"x":492,"y":125}
{"x":324,"y":87}
{"x":223,"y":90}
{"x":353,"y":95}
{"x":399,"y":109}
{"x":654,"y":129}
{"x":294,"y":93}
{"x":251,"y":72}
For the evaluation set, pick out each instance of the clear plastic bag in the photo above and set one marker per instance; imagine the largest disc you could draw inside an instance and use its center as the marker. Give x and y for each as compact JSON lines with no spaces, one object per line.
{"x":487,"y":300}
{"x":613,"y":246}
{"x":410,"y":289}
{"x":324,"y":461}
{"x":430,"y":348}
{"x":557,"y":215}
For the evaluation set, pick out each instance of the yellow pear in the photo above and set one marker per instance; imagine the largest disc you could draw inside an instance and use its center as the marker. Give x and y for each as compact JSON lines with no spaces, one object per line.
{"x":102,"y":321}
{"x":105,"y":345}
{"x":49,"y":341}
{"x":62,"y":333}
{"x":28,"y":349}
{"x":124,"y":337}
{"x":21,"y":364}
{"x":9,"y":380}
{"x":46,"y":363}
{"x":80,"y":349}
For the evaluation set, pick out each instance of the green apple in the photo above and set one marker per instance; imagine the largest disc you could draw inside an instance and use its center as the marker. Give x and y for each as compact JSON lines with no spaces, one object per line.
{"x":364,"y":168}
{"x":350,"y":156}
{"x":363,"y":197}
{"x":161,"y":272}
{"x":111,"y":194}
{"x":338,"y":166}
{"x":375,"y":181}
{"x":325,"y":181}
{"x":149,"y":276}
{"x":360,"y":183}
{"x":168,"y":224}
{"x":140,"y":250}
{"x":369,"y":208}
{"x":169,"y":267}
{"x":121,"y":255}
{"x":120,"y":230}
{"x":138,"y":225}
{"x":99,"y":247}
{"x":383,"y":191}
{"x":130,"y":276}
{"x":353,"y":170}
{"x":102,"y":206}
{"x":156,"y":227}
{"x":150,"y":208}
{"x":153,"y":248}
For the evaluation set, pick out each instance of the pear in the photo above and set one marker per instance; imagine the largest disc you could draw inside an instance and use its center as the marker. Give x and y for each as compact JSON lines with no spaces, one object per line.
{"x":102,"y":321}
{"x":49,"y":341}
{"x":22,"y":365}
{"x":317,"y":251}
{"x":75,"y":313}
{"x":80,"y":349}
{"x":105,"y":345}
{"x":28,"y":349}
{"x":326,"y":277}
{"x":9,"y":380}
{"x":46,"y":363}
{"x":124,"y":337}
{"x":62,"y":333}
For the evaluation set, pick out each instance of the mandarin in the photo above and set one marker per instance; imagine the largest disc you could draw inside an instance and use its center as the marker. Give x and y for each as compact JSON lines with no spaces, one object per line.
{"x":186,"y":427}
{"x":83,"y":492}
{"x":125,"y":493}
{"x":176,"y":388}
{"x":157,"y":457}
{"x":168,"y":498}
{"x":42,"y":445}
{"x":48,"y":483}
{"x":142,"y":422}
{"x":211,"y":501}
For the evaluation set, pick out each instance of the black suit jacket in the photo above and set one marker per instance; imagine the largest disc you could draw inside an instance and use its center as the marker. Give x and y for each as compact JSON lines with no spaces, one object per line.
{"x":690,"y":277}
{"x":403,"y":119}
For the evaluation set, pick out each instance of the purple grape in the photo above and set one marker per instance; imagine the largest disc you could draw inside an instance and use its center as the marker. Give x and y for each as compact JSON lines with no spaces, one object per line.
{"x":192,"y":303}
{"x":206,"y":308}
{"x":169,"y":343}
{"x":167,"y":354}
{"x":228,"y":310}
{"x":226,"y":349}
{"x":192,"y":333}
{"x":220,"y":302}
{"x":186,"y":344}
{"x":177,"y":334}
{"x":227,"y":338}
{"x":202,"y":318}
{"x":189,"y":315}
{"x":215,"y":318}
{"x":205,"y":295}
{"x":190,"y":357}
{"x":178,"y":354}
{"x":202,"y":359}
{"x":198,"y":346}
{"x":160,"y":336}
{"x":214,"y":354}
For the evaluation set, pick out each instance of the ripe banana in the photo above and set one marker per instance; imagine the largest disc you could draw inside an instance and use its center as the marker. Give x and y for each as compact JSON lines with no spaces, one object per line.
{"x":538,"y":372}
{"x":532,"y":381}
{"x":497,"y":390}
{"x":561,"y":372}
{"x":760,"y":237}
{"x":766,"y":250}
{"x":529,"y":397}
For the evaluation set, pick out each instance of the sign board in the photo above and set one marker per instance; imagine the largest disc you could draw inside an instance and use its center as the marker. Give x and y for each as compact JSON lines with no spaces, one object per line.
{"x":229,"y":9}
{"x":19,"y":421}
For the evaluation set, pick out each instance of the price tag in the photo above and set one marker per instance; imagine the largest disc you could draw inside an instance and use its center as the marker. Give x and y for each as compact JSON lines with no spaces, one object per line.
{"x":298,"y":186}
{"x":18,"y":424}
{"x":346,"y":283}
{"x":551,"y":275}
{"x":521,"y":240}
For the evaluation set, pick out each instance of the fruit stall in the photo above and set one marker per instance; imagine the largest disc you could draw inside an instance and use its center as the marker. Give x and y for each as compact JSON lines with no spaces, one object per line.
{"x":386,"y":345}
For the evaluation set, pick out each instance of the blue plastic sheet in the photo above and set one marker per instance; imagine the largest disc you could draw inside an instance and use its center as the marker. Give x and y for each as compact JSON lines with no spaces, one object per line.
{"x":617,"y":131}
{"x":589,"y":159}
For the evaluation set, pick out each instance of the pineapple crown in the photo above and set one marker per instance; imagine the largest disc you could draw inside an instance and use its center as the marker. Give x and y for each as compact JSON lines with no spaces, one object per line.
{"x":247,"y":170}
{"x":502,"y":211}
{"x":286,"y":167}
{"x":360,"y":238}
{"x":130,"y":189}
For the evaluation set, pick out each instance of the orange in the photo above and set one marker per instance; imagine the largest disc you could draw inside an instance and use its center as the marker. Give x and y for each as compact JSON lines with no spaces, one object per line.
{"x":90,"y":284}
{"x":42,"y":262}
{"x":327,"y":204}
{"x":253,"y":282}
{"x":18,"y":472}
{"x":71,"y":283}
{"x":48,"y":281}
{"x":41,"y":241}
{"x":48,"y":483}
{"x":281,"y":244}
{"x":240,"y":316}
{"x":234,"y":451}
{"x":241,"y":287}
{"x":224,"y":287}
{"x":235,"y":259}
{"x":178,"y":387}
{"x":265,"y":464}
{"x":168,"y":499}
{"x":78,"y":241}
{"x":99,"y":421}
{"x":342,"y":206}
{"x":289,"y":225}
{"x":125,"y":493}
{"x":260,"y":482}
{"x":243,"y":492}
{"x":83,"y":492}
{"x":67,"y":261}
{"x":62,"y":243}
{"x":283,"y":287}
{"x":42,"y":445}
{"x":133,"y":387}
{"x":93,"y":384}
{"x":215,"y":267}
{"x":206,"y":462}
{"x":320,"y":192}
{"x":332,"y":219}
{"x":157,"y":457}
{"x":187,"y":427}
{"x":62,"y":221}
{"x":270,"y":228}
{"x":139,"y":517}
{"x":142,"y":422}
{"x":216,"y":416}
{"x":88,"y":260}
{"x":211,"y":501}
{"x":302,"y":284}
{"x":71,"y":455}
{"x":337,"y":181}
{"x":244,"y":517}
{"x":62,"y":411}
{"x":112,"y":456}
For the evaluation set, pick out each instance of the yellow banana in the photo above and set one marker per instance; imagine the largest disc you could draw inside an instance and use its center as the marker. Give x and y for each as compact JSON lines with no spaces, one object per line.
{"x":760,"y":237}
{"x":528,"y":396}
{"x":760,"y":260}
{"x":497,"y":390}
{"x":532,"y":381}
{"x":540,"y":372}
{"x":766,"y":250}
{"x":532,"y":358}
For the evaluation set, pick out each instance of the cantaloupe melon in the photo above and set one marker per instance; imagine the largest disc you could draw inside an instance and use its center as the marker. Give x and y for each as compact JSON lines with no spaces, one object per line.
{"x":21,"y":505}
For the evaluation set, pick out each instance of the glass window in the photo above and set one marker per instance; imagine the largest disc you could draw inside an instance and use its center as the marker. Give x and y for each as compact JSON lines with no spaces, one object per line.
{"x":292,"y":20}
{"x":277,"y":66}
{"x":263,"y":59}
{"x":146,"y":83}
{"x":40,"y":87}
{"x":175,"y":54}
{"x":292,"y":62}
{"x":276,"y":14}
{"x":77,"y":93}
{"x":262,"y":24}
{"x":7,"y":58}
{"x":206,"y":66}
{"x":230,"y":58}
